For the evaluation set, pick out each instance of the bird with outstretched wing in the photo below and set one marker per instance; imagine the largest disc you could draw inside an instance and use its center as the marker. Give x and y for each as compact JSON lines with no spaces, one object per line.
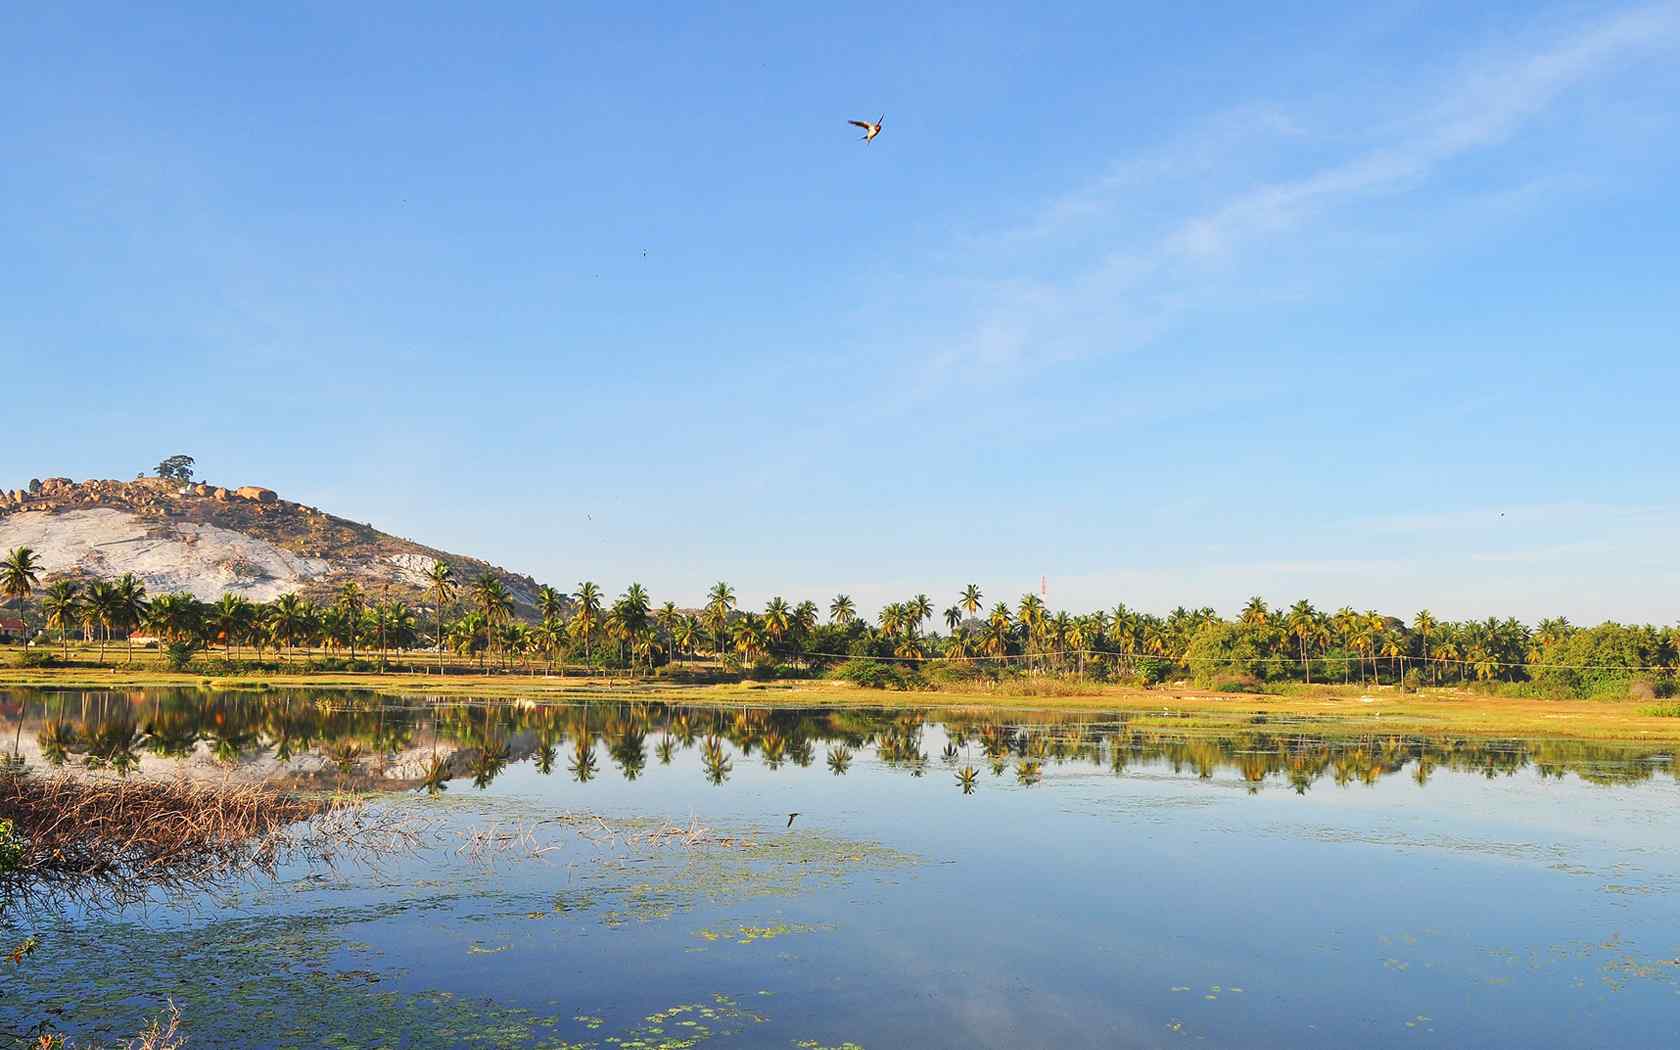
{"x":869,"y":130}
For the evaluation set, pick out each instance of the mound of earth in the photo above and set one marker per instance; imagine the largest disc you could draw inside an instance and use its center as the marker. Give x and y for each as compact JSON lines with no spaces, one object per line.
{"x":211,"y":540}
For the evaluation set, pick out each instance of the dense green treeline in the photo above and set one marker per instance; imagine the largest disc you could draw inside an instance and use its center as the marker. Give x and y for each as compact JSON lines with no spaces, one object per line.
{"x":476,"y":619}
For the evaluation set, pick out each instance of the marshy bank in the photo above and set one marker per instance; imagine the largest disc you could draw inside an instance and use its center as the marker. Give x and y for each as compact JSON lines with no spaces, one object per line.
{"x":118,"y":841}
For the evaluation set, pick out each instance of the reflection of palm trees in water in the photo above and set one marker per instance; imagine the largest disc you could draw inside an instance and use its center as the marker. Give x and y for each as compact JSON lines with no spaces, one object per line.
{"x":583,"y":764}
{"x":348,"y":728}
{"x":434,"y":774}
{"x":115,"y":744}
{"x":966,"y":776}
{"x":491,"y":757}
{"x":548,"y":752}
{"x":57,"y":739}
{"x":629,"y":747}
{"x":173,"y":734}
{"x":801,"y":751}
{"x":774,"y":749}
{"x":839,"y":760}
{"x":682,"y":727}
{"x":715,"y":760}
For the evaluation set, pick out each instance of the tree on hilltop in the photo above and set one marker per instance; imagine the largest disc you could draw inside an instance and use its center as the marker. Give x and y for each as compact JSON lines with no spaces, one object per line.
{"x":176,"y":468}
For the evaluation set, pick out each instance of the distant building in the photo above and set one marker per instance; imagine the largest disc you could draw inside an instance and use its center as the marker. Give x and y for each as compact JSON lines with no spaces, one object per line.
{"x":12,"y":629}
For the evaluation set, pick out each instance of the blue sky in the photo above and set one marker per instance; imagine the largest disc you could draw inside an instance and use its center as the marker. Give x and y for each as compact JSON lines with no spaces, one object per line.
{"x":1378,"y":306}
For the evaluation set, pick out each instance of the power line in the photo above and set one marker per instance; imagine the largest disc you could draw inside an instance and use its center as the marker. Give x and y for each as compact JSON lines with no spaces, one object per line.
{"x":1291,"y":660}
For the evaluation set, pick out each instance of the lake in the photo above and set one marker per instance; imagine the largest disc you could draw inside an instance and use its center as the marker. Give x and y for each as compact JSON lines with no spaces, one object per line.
{"x":974,"y":880}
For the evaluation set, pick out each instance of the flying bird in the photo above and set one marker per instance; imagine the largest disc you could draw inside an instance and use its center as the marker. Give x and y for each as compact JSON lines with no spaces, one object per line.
{"x":790,"y":819}
{"x":869,"y":130}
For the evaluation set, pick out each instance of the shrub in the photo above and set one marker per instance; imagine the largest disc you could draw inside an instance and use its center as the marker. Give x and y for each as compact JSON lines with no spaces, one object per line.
{"x":870,"y":674}
{"x":335,"y":664}
{"x":1237,"y":683}
{"x":1412,"y":682}
{"x":1153,"y":671}
{"x":37,"y":658}
{"x":1642,"y":689}
{"x":179,"y":654}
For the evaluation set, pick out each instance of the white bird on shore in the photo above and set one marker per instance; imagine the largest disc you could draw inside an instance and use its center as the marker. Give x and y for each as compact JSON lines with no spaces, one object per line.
{"x":869,"y":130}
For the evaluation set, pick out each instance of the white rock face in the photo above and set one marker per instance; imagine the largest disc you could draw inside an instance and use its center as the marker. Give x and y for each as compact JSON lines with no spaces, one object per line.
{"x":204,"y":560}
{"x":411,"y":568}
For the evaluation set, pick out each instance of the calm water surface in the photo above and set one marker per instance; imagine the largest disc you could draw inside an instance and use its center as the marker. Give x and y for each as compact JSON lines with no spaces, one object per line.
{"x":1095,"y":882}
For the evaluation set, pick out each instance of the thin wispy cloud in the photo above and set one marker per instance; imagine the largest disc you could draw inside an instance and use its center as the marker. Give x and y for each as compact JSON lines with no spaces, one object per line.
{"x":1485,"y":107}
{"x":1144,"y":268}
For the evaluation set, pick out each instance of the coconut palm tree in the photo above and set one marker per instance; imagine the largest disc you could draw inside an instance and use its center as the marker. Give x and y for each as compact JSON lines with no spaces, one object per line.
{"x":1000,"y":627}
{"x":1031,"y":616}
{"x":176,"y":617}
{"x":749,"y":637}
{"x":841,"y":611}
{"x":720,"y":601}
{"x":1395,"y":645}
{"x":778,"y":620}
{"x":18,"y":577}
{"x":1077,"y":633}
{"x":638,"y":605}
{"x":551,"y":604}
{"x":586,"y":617}
{"x":953,"y":619}
{"x":99,"y":612}
{"x":805,"y":617}
{"x":1424,"y":623}
{"x":667,"y":617}
{"x":550,"y":638}
{"x":957,"y":649}
{"x":128,"y":607}
{"x":891,"y":619}
{"x":687,"y":635}
{"x":494,"y":602}
{"x":350,"y":603}
{"x":440,"y":580}
{"x":61,"y":606}
{"x":969,"y":600}
{"x":1302,"y":621}
{"x":288,"y":620}
{"x":232,"y":617}
{"x":917,"y":610}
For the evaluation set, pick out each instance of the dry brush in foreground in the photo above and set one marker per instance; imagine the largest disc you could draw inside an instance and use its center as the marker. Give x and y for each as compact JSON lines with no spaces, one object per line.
{"x":116,"y":841}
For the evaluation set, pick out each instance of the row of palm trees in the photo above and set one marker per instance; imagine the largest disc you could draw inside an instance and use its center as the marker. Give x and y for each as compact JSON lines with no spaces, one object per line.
{"x":1298,"y":641}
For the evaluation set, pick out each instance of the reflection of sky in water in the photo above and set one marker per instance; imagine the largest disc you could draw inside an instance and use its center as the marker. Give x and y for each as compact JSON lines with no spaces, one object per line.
{"x":1094,"y":909}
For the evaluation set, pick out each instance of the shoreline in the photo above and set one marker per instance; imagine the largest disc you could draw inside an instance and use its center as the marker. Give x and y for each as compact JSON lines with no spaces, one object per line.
{"x":1332,"y":710}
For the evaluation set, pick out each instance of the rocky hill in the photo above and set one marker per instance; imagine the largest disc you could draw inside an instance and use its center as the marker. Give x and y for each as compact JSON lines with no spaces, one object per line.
{"x":211,"y":539}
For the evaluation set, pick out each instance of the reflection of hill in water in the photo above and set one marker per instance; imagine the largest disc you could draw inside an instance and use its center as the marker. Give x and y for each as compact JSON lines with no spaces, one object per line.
{"x":351,"y":740}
